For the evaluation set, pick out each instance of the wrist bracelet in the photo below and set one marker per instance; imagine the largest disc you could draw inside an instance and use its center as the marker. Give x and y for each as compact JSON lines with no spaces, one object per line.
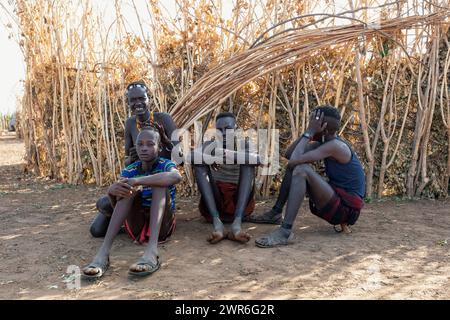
{"x":307,"y":135}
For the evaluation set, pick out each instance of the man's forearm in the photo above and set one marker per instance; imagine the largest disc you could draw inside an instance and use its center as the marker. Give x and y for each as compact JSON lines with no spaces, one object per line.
{"x":248,"y":157}
{"x":159,"y":180}
{"x":301,"y":146}
{"x":127,"y":161}
{"x":291,"y":148}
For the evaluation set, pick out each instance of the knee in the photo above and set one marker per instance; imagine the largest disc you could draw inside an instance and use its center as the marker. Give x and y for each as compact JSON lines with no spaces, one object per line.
{"x":200,"y":171}
{"x":199,"y":167}
{"x":247,"y":168}
{"x":99,"y":226}
{"x":160,"y":197}
{"x":104,"y":206}
{"x":159,"y":192}
{"x":301,"y":170}
{"x":193,"y":158}
{"x":96,"y":232}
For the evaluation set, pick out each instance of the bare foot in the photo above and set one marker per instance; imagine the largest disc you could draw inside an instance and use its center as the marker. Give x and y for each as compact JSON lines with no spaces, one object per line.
{"x":219,"y":232}
{"x":216,"y":236}
{"x":236,"y":233}
{"x":345,"y":229}
{"x":241,"y":236}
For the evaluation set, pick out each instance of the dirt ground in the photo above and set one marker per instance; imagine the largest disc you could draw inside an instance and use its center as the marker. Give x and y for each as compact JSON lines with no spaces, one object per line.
{"x":398,"y":250}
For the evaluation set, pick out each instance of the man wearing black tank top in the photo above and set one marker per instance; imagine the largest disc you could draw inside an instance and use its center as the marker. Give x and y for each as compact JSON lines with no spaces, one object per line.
{"x":337,"y":200}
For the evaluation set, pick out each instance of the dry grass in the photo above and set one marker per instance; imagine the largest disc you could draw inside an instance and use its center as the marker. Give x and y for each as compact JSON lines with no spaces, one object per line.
{"x":268,"y":63}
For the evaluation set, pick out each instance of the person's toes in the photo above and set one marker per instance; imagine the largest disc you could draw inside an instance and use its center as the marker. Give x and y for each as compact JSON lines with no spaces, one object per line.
{"x":241,"y":237}
{"x":136,"y":268}
{"x":265,"y":241}
{"x":262,"y":241}
{"x":215,"y":237}
{"x":346,"y":229}
{"x":91,"y":271}
{"x":211,"y":238}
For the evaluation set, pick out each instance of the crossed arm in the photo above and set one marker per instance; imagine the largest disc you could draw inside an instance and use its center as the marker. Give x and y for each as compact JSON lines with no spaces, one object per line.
{"x":308,"y":147}
{"x":208,"y":152}
{"x":126,"y":187}
{"x":157,"y":180}
{"x":317,"y":152}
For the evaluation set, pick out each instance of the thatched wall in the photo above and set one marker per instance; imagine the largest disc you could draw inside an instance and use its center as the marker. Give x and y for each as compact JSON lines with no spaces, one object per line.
{"x":390,"y":81}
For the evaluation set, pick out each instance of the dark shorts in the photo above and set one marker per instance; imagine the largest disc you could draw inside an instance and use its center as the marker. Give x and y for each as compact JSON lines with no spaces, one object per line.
{"x":137,"y":223}
{"x":228,"y":193}
{"x":342,"y":208}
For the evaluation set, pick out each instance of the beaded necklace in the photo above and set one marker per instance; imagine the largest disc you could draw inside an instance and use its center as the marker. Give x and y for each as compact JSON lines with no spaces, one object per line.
{"x":146,"y":123}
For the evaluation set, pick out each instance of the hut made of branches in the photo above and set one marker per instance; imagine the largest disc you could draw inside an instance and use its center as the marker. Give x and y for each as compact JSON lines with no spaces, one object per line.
{"x":269,"y":62}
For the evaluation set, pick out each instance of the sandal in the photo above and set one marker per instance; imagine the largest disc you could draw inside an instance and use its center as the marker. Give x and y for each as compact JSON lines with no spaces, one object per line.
{"x":268,"y":217}
{"x":273,"y":240}
{"x":151,"y":268}
{"x":102,"y":268}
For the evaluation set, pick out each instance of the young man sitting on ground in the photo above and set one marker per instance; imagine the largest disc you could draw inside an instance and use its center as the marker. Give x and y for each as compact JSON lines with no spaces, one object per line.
{"x":338,"y":200}
{"x":227,"y":189}
{"x":148,"y":214}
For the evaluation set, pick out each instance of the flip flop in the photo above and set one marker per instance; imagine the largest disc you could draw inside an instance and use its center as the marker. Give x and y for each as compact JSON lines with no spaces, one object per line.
{"x":152,"y":268}
{"x":264,"y":218}
{"x":101,"y":267}
{"x":272,"y":244}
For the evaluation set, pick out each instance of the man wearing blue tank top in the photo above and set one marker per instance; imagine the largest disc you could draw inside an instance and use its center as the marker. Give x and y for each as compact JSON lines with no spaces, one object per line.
{"x":338,"y":200}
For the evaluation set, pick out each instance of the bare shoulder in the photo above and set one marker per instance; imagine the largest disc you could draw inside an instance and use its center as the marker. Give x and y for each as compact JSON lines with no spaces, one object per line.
{"x":341,"y":151}
{"x":162,"y":115}
{"x":342,"y":144}
{"x":337,"y":145}
{"x":130,"y":121}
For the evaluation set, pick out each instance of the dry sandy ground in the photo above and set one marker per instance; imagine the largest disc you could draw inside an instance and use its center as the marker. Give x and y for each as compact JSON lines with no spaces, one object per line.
{"x":398,"y":250}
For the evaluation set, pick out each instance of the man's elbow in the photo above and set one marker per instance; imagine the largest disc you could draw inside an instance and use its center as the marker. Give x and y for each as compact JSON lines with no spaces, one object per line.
{"x":177,"y":178}
{"x":257,"y":160}
{"x":288,"y":154}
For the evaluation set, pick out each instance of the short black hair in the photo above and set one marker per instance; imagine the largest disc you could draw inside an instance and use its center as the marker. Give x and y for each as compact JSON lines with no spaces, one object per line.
{"x":151,"y":129}
{"x":225,"y":115}
{"x":329,"y":111}
{"x":139,"y":83}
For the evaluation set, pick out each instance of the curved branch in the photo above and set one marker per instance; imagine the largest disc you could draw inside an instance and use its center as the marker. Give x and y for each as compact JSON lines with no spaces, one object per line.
{"x":320,"y":20}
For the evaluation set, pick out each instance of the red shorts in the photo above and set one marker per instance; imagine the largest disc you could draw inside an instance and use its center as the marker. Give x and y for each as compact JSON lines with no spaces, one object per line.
{"x":342,"y":208}
{"x":137,"y":223}
{"x":227,"y":205}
